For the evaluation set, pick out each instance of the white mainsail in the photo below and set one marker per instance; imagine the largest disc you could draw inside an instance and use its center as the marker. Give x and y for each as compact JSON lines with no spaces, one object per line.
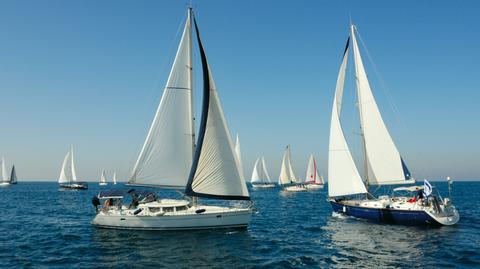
{"x":4,"y":171}
{"x":114,"y":178}
{"x":312,"y":173}
{"x":260,"y":174}
{"x":385,"y":166}
{"x":166,"y":156}
{"x":239,"y":154}
{"x":343,"y":176}
{"x":68,"y":174}
{"x":103,"y":177}
{"x":216,"y":169}
{"x":287,"y":175}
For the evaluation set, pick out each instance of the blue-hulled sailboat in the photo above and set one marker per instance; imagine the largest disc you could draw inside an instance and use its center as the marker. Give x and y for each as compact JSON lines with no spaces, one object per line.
{"x":348,"y":192}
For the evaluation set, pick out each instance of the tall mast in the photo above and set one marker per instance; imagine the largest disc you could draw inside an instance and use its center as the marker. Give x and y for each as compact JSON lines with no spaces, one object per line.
{"x":362,"y":134}
{"x":190,"y":68}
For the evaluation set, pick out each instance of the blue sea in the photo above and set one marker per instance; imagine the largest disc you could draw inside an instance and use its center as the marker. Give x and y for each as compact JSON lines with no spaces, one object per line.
{"x":42,"y":227}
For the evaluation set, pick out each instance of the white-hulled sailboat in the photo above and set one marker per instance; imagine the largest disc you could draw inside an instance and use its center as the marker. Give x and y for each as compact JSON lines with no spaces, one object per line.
{"x":68,"y":175}
{"x":260,"y":177}
{"x":170,"y":159}
{"x":4,"y":181}
{"x":287,"y":179}
{"x":348,"y":193}
{"x":312,"y":180}
{"x":103,"y":179}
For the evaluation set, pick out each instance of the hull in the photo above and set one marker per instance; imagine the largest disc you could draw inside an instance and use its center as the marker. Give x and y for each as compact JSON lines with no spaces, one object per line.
{"x":295,"y":188}
{"x":74,"y":186}
{"x":216,"y":218}
{"x":4,"y":184}
{"x":394,"y":216}
{"x":314,"y":186}
{"x":266,"y":185}
{"x":102,"y":184}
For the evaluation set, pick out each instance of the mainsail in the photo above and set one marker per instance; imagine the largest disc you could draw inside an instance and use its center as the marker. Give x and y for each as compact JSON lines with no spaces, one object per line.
{"x":312,"y":173}
{"x":260,"y":174}
{"x":215,"y":171}
{"x":103,"y":177}
{"x":114,"y":178}
{"x":68,"y":174}
{"x":385,"y":166}
{"x":343,"y":176}
{"x":166,"y":156}
{"x":4,"y":171}
{"x":287,"y":175}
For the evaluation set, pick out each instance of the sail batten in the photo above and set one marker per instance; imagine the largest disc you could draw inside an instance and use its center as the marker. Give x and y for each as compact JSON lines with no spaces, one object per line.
{"x":166,"y":156}
{"x":384,"y":164}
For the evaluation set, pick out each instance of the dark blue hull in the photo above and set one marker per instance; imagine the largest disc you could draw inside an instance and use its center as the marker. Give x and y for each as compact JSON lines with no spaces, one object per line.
{"x":387,"y":215}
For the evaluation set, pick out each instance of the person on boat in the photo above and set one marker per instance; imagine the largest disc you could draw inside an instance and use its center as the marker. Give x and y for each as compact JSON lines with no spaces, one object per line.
{"x":108,"y":202}
{"x":134,"y":202}
{"x":95,"y":202}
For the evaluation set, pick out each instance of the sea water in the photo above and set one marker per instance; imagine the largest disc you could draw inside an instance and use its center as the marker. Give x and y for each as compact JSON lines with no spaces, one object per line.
{"x":44,"y":227}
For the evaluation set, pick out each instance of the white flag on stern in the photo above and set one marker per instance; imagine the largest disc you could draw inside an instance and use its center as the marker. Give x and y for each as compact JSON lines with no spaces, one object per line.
{"x":427,"y":188}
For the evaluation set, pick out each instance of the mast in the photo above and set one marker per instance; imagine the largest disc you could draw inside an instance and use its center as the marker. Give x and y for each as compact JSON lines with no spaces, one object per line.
{"x":359,"y":106}
{"x":190,"y":70}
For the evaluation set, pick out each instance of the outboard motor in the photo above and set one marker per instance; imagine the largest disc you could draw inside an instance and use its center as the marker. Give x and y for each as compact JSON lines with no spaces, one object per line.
{"x":95,"y":202}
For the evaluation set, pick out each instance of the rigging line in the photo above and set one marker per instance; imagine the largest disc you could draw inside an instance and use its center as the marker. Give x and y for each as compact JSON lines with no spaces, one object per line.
{"x":384,"y":87}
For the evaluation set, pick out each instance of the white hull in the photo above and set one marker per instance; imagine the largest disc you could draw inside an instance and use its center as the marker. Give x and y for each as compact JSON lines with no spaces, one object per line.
{"x":314,"y":186}
{"x":4,"y":184}
{"x":295,"y":188}
{"x":213,"y":217}
{"x":102,"y":184}
{"x":264,"y":185}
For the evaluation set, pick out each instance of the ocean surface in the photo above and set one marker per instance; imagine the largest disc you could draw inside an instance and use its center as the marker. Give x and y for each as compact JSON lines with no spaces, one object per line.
{"x":42,"y":227}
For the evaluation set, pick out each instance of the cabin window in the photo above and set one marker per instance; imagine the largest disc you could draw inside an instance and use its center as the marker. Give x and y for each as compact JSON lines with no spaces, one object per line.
{"x":181,"y":208}
{"x":154,"y":209}
{"x":168,"y":209}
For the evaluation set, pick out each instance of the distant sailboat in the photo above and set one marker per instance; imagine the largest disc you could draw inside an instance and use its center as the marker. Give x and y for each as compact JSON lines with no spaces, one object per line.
{"x":68,"y":175}
{"x":170,"y":159}
{"x":383,"y":164}
{"x":260,"y":177}
{"x":287,"y":178}
{"x":4,"y":181}
{"x":114,"y":178}
{"x":103,"y":179}
{"x":312,"y":179}
{"x":13,"y":176}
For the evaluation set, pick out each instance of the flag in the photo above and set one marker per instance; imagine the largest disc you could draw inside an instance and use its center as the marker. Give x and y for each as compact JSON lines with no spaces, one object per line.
{"x":427,"y":188}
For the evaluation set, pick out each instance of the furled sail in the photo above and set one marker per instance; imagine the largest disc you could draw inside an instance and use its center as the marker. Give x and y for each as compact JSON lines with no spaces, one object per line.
{"x":343,"y":176}
{"x":385,"y":165}
{"x":166,"y":156}
{"x":13,"y":176}
{"x":215,"y":171}
{"x":312,"y":173}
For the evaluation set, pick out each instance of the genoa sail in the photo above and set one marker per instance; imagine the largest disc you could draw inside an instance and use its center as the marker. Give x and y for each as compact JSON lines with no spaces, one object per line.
{"x":385,"y":165}
{"x":215,"y":172}
{"x":68,"y":173}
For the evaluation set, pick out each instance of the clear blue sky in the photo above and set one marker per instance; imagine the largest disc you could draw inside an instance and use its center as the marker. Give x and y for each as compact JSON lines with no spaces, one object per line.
{"x":91,"y":73}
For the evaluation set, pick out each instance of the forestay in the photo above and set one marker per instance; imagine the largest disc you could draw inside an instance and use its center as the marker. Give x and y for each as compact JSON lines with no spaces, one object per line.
{"x":215,"y":171}
{"x":343,"y":176}
{"x":385,"y":166}
{"x":166,"y":156}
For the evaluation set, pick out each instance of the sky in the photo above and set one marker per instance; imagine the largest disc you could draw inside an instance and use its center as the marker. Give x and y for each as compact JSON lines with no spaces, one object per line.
{"x":91,"y":73}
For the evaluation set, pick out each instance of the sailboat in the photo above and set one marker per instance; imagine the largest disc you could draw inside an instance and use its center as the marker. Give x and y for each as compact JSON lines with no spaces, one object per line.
{"x":170,"y":159}
{"x":260,"y":177}
{"x":312,"y":179}
{"x":13,"y":176}
{"x":4,"y":181}
{"x":114,"y":178}
{"x":348,"y":192}
{"x":287,"y":178}
{"x":103,"y":179}
{"x":68,"y":175}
